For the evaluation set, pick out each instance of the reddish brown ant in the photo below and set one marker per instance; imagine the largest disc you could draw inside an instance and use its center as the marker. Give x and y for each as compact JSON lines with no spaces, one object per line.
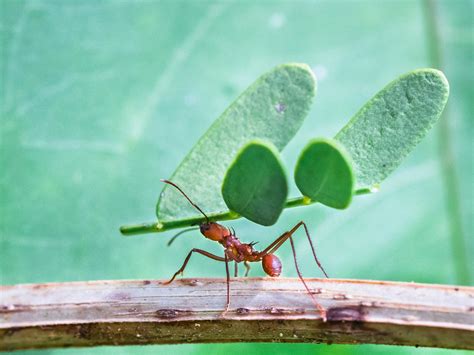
{"x":236,"y":251}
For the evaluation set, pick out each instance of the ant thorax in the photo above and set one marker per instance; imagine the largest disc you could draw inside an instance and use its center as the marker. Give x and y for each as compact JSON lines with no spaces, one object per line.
{"x":238,"y":251}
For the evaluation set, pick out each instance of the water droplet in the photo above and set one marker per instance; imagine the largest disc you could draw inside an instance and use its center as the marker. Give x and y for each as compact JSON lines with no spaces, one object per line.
{"x":277,"y":20}
{"x":320,"y":71}
{"x":375,"y":188}
{"x":280,"y":107}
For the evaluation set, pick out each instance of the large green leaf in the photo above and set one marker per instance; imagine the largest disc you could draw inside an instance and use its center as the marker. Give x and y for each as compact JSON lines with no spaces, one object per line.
{"x":393,"y":122}
{"x":273,"y":108}
{"x":324,"y":173}
{"x":255,"y":185}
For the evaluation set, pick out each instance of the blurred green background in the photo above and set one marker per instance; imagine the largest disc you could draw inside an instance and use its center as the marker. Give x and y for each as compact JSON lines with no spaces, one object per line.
{"x":101,"y":99}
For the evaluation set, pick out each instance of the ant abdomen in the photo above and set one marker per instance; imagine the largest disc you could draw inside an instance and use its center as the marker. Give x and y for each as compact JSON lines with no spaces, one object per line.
{"x":271,"y":265}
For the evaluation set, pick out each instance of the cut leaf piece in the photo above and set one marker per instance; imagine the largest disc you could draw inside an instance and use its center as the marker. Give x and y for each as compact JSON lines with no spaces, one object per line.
{"x":392,"y":123}
{"x":273,"y":109}
{"x":255,"y":185}
{"x":324,"y":173}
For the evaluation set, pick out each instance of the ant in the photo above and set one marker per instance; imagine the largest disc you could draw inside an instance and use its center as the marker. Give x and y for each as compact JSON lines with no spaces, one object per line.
{"x":235,"y":250}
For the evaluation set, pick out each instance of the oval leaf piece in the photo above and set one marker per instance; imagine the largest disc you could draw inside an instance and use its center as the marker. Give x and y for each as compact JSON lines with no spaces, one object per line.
{"x":324,"y":173}
{"x":392,"y":123}
{"x":273,"y":108}
{"x":255,"y":185}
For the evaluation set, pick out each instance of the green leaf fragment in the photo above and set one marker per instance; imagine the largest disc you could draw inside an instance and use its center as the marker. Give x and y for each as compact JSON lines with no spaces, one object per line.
{"x":273,"y":109}
{"x":393,"y":122}
{"x":255,"y":185}
{"x":324,"y":173}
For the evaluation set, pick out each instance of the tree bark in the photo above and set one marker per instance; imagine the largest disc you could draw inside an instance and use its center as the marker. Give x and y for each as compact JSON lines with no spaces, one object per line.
{"x":262,"y":310}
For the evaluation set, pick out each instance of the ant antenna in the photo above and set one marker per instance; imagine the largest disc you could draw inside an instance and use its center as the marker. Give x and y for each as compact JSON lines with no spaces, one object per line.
{"x":191,"y":202}
{"x":179,"y":233}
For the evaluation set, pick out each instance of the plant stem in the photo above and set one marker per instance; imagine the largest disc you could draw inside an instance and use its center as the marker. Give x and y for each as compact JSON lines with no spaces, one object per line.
{"x":447,"y":159}
{"x":156,"y":227}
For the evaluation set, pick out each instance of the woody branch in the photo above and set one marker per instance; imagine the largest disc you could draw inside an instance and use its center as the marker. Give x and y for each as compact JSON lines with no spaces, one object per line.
{"x":262,"y":310}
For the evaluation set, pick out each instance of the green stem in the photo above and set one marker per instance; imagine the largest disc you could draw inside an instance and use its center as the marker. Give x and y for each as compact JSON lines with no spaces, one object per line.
{"x":452,"y":198}
{"x":156,"y":227}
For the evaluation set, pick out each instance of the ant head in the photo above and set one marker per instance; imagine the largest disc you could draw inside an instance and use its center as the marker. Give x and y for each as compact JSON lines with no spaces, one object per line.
{"x":213,"y":231}
{"x":204,"y":227}
{"x":210,"y":230}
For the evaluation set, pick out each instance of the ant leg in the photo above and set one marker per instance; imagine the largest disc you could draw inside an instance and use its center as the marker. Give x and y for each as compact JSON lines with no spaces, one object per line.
{"x":200,"y":251}
{"x":318,"y":306}
{"x":236,"y":269}
{"x":313,"y":250}
{"x":228,"y":283}
{"x":280,"y":240}
{"x":273,"y":247}
{"x":247,"y":268}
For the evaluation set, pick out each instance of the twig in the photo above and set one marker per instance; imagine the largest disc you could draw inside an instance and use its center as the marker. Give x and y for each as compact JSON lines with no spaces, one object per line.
{"x":158,"y":226}
{"x":262,"y":310}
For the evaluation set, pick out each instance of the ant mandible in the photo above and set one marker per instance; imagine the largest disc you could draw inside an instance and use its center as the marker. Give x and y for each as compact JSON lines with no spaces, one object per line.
{"x":235,"y":250}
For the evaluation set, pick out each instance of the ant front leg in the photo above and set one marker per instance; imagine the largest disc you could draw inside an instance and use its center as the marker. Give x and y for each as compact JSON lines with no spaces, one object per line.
{"x":200,"y":251}
{"x":318,"y":306}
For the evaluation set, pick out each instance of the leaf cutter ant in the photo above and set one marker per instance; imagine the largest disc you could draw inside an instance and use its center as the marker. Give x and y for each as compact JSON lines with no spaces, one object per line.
{"x":235,"y":250}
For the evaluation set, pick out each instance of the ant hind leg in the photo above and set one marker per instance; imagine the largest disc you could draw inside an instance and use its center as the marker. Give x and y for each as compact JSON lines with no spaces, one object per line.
{"x":277,"y":243}
{"x":320,"y":308}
